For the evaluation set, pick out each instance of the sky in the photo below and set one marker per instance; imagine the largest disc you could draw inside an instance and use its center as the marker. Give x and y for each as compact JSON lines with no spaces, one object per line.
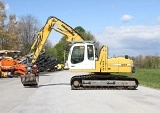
{"x":127,"y":27}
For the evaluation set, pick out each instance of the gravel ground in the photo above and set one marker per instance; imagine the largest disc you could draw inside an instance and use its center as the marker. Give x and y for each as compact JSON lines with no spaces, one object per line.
{"x":54,"y":95}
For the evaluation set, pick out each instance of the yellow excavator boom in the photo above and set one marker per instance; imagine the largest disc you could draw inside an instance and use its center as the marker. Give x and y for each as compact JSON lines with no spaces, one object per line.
{"x":58,"y":26}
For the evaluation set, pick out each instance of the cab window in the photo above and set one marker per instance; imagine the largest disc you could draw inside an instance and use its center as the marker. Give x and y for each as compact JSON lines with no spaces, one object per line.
{"x":77,"y":54}
{"x":90,"y":52}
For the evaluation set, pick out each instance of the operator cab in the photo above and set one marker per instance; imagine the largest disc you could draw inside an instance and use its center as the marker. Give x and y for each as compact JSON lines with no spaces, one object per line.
{"x":82,"y":56}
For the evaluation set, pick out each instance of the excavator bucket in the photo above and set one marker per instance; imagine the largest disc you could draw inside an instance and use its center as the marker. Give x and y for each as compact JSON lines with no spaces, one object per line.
{"x":30,"y":79}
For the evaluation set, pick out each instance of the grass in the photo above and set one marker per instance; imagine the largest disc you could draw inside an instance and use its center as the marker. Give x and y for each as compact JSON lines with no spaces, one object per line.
{"x":148,"y":77}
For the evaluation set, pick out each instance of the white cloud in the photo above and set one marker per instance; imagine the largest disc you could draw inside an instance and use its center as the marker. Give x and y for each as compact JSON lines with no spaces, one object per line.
{"x":7,"y":7}
{"x":132,"y":40}
{"x":126,"y":18}
{"x":158,"y":19}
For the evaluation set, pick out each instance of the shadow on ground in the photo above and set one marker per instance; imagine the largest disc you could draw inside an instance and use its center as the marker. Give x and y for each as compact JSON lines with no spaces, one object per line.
{"x":46,"y":85}
{"x":54,"y":84}
{"x":44,"y":75}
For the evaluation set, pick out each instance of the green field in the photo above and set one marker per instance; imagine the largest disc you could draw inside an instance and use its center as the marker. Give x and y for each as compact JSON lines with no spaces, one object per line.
{"x":148,"y":77}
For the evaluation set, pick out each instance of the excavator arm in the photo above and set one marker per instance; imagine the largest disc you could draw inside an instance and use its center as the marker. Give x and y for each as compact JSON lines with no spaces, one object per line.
{"x":57,"y":25}
{"x":53,"y":23}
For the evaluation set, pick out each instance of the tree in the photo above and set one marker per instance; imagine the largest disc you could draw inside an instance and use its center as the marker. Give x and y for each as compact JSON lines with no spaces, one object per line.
{"x":86,"y":35}
{"x":58,"y":50}
{"x":28,"y":27}
{"x":139,"y":61}
{"x":2,"y":24}
{"x":8,"y":30}
{"x":157,"y":61}
{"x":80,"y":30}
{"x":12,"y":34}
{"x":151,"y":62}
{"x":2,"y":15}
{"x":18,"y":35}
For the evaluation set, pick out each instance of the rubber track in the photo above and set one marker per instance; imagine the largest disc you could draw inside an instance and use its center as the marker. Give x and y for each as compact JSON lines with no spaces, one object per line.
{"x":102,"y":77}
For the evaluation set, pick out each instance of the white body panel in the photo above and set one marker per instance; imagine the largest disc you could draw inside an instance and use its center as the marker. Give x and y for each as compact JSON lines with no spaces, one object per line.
{"x":86,"y":63}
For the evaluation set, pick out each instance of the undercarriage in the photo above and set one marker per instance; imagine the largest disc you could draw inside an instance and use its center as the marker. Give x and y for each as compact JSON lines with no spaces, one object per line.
{"x":106,"y":81}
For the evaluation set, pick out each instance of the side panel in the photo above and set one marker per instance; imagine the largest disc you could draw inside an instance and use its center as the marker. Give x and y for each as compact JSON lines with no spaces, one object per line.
{"x":126,"y":65}
{"x":120,"y":64}
{"x":113,"y":65}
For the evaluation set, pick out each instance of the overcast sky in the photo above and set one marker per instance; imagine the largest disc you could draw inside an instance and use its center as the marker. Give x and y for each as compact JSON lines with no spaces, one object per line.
{"x":126,"y":26}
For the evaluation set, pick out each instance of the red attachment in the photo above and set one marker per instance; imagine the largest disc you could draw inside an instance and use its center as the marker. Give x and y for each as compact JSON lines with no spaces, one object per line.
{"x":20,"y":69}
{"x":35,"y":69}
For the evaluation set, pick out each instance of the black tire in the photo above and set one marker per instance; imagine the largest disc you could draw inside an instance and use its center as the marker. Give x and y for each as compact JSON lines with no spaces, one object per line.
{"x":76,"y":83}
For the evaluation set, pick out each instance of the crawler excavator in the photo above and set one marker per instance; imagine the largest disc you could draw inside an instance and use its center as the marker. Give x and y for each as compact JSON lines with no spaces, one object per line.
{"x":86,"y":56}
